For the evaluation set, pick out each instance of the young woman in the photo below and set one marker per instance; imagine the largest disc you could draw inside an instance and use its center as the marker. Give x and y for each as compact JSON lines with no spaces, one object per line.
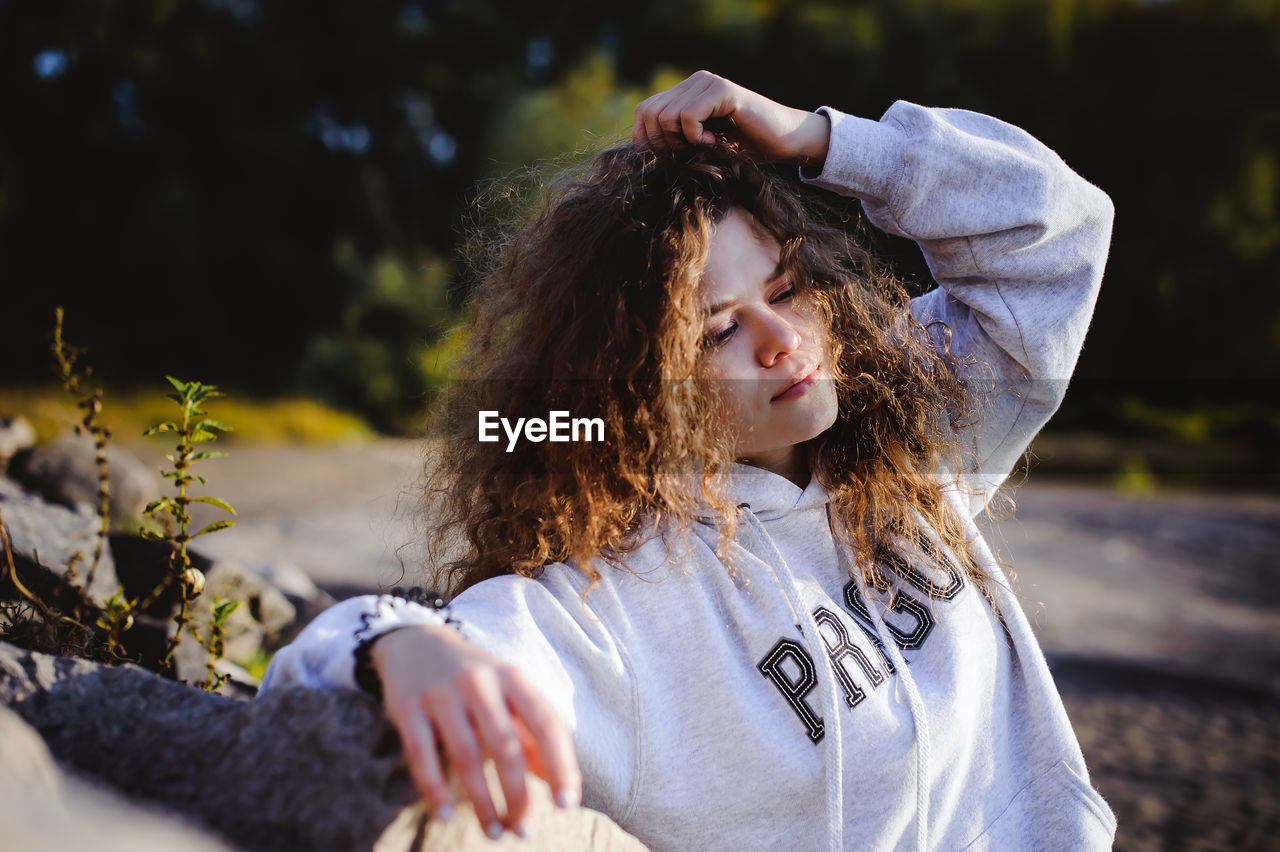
{"x":758,"y":613}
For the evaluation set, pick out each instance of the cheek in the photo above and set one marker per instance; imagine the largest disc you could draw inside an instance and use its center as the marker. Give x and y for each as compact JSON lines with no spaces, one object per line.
{"x":730,"y":394}
{"x":812,"y":328}
{"x":831,"y":405}
{"x":729,"y":363}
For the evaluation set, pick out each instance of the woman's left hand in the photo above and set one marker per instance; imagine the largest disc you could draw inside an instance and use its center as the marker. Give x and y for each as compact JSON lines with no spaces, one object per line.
{"x":676,"y":118}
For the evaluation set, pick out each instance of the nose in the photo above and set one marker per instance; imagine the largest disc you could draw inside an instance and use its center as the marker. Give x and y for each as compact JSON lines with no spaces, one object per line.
{"x":778,"y":338}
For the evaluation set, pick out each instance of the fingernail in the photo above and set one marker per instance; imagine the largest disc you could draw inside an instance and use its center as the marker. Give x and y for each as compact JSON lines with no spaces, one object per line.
{"x":566,"y":800}
{"x":522,"y":828}
{"x":494,"y":830}
{"x":444,"y":813}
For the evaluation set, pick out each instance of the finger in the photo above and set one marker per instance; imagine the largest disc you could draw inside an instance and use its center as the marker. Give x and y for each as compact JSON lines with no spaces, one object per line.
{"x":423,"y":757}
{"x":555,"y":747}
{"x":644,"y":128}
{"x":703,"y":101}
{"x":532,"y":752}
{"x":499,"y":741}
{"x":679,"y":120}
{"x":460,"y":745}
{"x":648,"y":128}
{"x":693,"y":130}
{"x":685,"y":117}
{"x":655,"y":136}
{"x":639,"y":133}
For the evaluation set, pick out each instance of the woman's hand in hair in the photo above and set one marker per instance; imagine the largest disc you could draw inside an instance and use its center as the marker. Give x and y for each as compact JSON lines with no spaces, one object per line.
{"x":449,"y":698}
{"x":678,"y":117}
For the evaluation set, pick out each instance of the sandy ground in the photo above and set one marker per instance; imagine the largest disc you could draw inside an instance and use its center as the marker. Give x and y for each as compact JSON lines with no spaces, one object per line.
{"x":1160,"y":615}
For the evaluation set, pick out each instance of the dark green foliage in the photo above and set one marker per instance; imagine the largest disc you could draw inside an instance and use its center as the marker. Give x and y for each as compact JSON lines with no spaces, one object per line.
{"x":262,"y":152}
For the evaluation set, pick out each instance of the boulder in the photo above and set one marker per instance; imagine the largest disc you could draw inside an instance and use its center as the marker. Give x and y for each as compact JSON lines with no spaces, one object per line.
{"x":66,"y":472}
{"x":43,"y":807}
{"x":16,"y":433}
{"x":296,"y":769}
{"x":308,"y":599}
{"x":46,"y":538}
{"x":264,"y":615}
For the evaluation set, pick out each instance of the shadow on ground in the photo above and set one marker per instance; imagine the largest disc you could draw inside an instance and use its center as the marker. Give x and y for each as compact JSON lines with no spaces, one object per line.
{"x":1185,"y":761}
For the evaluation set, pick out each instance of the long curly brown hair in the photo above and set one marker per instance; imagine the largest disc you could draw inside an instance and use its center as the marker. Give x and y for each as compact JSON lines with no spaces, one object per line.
{"x":591,"y":307}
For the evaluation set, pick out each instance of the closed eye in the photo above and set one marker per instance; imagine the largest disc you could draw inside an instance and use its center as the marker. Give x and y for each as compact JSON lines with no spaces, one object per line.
{"x":719,"y":336}
{"x":784,"y":294}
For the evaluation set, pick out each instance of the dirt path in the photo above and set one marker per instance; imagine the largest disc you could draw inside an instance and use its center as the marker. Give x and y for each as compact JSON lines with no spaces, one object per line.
{"x":1160,"y":617}
{"x":338,"y":513}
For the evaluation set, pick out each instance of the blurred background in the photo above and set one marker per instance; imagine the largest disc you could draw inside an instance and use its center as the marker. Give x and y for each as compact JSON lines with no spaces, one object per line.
{"x":275,"y":197}
{"x":272,"y":196}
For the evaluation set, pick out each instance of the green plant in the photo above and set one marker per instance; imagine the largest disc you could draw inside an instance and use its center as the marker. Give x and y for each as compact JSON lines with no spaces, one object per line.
{"x":90,"y":402}
{"x":215,"y":643}
{"x":59,"y":616}
{"x":193,"y":428}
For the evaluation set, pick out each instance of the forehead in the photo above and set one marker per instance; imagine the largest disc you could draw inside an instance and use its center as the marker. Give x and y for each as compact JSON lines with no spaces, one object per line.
{"x":741,"y":257}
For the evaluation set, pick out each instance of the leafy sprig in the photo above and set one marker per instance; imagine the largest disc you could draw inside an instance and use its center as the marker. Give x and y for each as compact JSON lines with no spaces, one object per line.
{"x":193,"y":428}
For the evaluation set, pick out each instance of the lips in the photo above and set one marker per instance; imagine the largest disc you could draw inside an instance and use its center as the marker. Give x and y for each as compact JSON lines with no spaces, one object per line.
{"x":798,"y":384}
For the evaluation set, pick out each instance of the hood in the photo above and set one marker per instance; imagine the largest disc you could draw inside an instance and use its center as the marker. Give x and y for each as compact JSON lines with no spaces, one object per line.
{"x":767,"y":494}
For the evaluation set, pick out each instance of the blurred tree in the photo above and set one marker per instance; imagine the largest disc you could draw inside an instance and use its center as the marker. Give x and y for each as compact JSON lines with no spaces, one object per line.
{"x":377,"y":361}
{"x":281,"y":157}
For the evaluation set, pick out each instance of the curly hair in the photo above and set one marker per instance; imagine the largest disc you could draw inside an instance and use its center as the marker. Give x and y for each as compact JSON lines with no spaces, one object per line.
{"x":592,"y":307}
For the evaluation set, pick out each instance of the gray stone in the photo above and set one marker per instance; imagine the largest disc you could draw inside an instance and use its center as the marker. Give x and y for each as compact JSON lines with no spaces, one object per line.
{"x":263,"y":612}
{"x":16,"y":433}
{"x":297,"y":769}
{"x":264,"y":619}
{"x":42,"y":807}
{"x":66,"y":472}
{"x":294,"y":583}
{"x":47,"y":538}
{"x":308,"y":599}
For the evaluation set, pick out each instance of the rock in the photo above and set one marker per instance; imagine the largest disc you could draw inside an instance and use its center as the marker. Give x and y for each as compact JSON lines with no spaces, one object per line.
{"x":308,"y":599}
{"x":264,"y":611}
{"x":25,"y":762}
{"x":294,"y":583}
{"x":66,"y":472}
{"x":264,"y":614}
{"x":297,"y":769}
{"x":551,"y":829}
{"x":42,"y":807}
{"x":16,"y":433}
{"x":54,"y":534}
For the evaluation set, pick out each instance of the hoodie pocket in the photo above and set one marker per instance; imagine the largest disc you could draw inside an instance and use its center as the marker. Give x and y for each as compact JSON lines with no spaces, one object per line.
{"x":1056,"y":811}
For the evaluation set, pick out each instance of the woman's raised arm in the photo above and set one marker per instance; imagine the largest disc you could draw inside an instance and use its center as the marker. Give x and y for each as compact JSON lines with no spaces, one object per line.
{"x":677,"y":117}
{"x":1015,"y":238}
{"x":1017,"y":242}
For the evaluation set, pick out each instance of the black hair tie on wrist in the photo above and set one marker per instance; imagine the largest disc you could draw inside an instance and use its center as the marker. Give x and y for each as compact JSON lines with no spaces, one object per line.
{"x":366,"y":675}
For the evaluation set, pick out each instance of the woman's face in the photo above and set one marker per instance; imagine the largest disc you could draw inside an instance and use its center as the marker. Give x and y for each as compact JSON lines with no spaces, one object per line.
{"x":766,"y":353}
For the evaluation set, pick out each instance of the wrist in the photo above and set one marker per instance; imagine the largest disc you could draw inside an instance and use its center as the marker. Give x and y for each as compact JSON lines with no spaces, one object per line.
{"x":813,"y":139}
{"x":393,"y":617}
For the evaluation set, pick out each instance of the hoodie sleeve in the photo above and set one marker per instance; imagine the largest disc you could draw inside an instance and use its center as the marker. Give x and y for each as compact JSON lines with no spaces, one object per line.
{"x":1017,"y":242}
{"x":544,"y":627}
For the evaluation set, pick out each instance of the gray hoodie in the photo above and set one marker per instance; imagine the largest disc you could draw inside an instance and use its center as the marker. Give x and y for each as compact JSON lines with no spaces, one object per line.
{"x":783,"y":706}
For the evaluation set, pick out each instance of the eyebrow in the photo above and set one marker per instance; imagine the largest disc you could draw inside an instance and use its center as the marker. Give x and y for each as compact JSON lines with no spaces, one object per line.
{"x":778,"y":272}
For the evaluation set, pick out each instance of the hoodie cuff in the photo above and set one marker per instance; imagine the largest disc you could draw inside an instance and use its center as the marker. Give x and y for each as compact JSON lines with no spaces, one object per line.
{"x":391,"y":613}
{"x":863,"y":159}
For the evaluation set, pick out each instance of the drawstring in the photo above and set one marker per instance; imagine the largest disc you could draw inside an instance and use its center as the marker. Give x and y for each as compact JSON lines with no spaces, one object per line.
{"x":914,"y":703}
{"x":833,"y":768}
